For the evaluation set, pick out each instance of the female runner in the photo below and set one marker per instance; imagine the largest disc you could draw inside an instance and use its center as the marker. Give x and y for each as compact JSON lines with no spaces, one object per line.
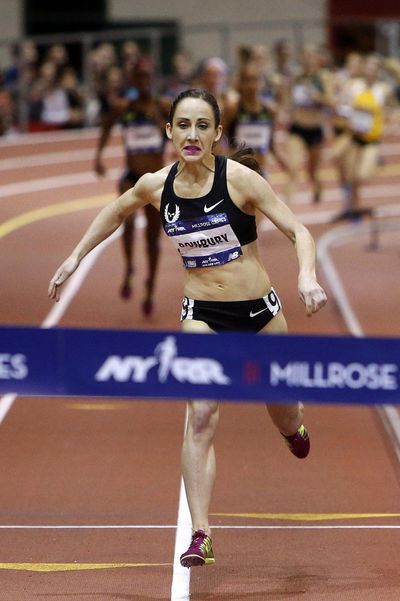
{"x":140,"y":116}
{"x":310,"y":97}
{"x":249,"y":119}
{"x":207,"y":205}
{"x":371,"y":97}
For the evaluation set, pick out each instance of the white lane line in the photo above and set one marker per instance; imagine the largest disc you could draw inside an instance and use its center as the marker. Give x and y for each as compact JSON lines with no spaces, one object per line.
{"x":330,"y":195}
{"x":389,"y":149}
{"x":180,"y":587}
{"x":6,"y":402}
{"x":308,"y":218}
{"x":75,"y":282}
{"x":87,"y":154}
{"x":334,"y":194}
{"x":388,"y":413}
{"x":92,"y":133}
{"x":321,"y":217}
{"x":214,"y":527}
{"x":57,"y":158}
{"x":51,"y":183}
{"x":58,"y":309}
{"x":332,"y":275}
{"x":50,"y":137}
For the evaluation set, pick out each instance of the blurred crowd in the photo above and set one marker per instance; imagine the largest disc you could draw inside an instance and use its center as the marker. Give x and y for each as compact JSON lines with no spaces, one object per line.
{"x":50,"y":92}
{"x":307,"y":95}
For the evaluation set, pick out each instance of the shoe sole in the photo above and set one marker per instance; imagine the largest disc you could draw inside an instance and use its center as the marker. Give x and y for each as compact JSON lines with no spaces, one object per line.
{"x":190,"y":561}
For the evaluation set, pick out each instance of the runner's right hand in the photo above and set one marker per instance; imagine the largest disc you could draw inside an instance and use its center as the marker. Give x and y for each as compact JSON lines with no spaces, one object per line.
{"x":61,"y":275}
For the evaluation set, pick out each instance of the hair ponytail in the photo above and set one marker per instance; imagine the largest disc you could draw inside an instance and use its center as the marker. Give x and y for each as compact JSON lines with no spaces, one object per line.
{"x":245,"y":155}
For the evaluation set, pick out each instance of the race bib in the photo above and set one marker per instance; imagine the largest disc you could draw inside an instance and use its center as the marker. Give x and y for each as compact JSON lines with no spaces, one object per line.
{"x":206,"y":241}
{"x":140,"y":139}
{"x":361,"y":121}
{"x":302,"y":95}
{"x":256,"y":135}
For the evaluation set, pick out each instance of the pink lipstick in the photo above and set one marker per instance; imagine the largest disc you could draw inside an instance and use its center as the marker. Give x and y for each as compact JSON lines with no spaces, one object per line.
{"x":192,"y":149}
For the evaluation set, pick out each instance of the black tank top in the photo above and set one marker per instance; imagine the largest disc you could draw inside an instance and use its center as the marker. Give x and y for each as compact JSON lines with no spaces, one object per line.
{"x":141,"y":131}
{"x":252,"y":129}
{"x":206,"y":231}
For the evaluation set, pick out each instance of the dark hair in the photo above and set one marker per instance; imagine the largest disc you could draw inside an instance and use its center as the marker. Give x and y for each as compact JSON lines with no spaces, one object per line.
{"x":202,"y":95}
{"x":245,"y":155}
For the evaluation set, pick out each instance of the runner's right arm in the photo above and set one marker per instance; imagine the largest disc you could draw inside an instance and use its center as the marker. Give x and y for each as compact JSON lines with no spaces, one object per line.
{"x":104,"y":224}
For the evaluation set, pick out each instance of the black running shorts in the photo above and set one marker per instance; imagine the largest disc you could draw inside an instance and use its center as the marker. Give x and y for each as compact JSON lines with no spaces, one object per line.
{"x":244,"y":316}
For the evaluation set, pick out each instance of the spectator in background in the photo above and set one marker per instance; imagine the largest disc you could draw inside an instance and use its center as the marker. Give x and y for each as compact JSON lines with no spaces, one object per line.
{"x":180,"y":79}
{"x":212,"y":75}
{"x":70,"y":83}
{"x":130,"y":52}
{"x":6,"y":108}
{"x":113,"y":87}
{"x":101,"y":60}
{"x":58,"y":55}
{"x":53,"y":105}
{"x":12,"y":70}
{"x":27,"y":64}
{"x":20,"y":74}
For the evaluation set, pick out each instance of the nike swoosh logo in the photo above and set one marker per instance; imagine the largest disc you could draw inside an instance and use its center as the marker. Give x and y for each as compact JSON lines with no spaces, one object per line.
{"x":208,"y":209}
{"x":257,"y":312}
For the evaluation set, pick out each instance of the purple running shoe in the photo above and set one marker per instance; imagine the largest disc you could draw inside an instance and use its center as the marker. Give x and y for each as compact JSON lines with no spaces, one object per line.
{"x":126,"y":291}
{"x":147,"y":307}
{"x":299,"y":442}
{"x":200,"y":551}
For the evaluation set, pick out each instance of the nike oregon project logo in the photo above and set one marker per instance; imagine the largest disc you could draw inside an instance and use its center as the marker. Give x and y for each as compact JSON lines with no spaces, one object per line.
{"x":208,"y":209}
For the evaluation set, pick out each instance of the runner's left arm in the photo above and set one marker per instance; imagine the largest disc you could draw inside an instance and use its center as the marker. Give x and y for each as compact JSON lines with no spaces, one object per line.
{"x":260,"y":195}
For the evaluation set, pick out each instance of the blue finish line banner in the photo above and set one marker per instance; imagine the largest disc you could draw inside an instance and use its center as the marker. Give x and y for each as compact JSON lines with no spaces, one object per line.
{"x":230,"y":367}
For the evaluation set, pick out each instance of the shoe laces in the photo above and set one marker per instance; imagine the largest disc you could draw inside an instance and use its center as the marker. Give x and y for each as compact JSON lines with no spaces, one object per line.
{"x":199,"y":536}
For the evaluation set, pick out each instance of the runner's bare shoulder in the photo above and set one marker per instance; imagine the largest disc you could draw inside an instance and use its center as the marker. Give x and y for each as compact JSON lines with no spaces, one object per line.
{"x":150,"y":185}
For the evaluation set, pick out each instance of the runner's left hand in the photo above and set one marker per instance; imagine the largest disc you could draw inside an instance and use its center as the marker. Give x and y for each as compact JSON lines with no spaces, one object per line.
{"x":312,"y":294}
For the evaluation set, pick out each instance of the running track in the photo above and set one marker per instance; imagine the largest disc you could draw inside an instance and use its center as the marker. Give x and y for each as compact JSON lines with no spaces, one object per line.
{"x":89,"y":489}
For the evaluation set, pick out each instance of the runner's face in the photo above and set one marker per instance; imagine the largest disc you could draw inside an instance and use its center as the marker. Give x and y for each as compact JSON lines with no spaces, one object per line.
{"x":372,"y":66}
{"x":193,"y":131}
{"x":250,"y":84}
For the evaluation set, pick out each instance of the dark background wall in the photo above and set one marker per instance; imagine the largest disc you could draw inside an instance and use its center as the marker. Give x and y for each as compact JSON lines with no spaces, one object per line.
{"x":355,"y":24}
{"x":47,"y":16}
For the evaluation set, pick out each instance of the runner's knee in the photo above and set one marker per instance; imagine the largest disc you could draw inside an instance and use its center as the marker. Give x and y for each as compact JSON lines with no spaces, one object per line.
{"x":203,"y":417}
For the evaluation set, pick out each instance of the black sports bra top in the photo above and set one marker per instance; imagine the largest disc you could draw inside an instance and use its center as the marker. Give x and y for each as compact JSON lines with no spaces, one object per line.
{"x":206,"y":231}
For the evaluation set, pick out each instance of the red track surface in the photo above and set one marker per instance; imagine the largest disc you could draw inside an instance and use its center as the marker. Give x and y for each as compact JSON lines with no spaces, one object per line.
{"x":85,"y":462}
